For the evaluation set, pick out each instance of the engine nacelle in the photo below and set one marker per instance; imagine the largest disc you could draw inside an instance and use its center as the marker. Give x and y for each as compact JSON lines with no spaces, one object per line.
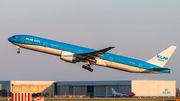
{"x":100,"y":62}
{"x":68,"y":57}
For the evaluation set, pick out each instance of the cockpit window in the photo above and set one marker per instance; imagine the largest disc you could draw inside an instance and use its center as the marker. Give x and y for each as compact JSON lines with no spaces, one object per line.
{"x":13,"y":36}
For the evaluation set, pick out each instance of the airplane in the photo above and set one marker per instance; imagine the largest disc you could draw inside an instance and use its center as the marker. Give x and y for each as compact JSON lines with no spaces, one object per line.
{"x":73,"y":54}
{"x":114,"y":93}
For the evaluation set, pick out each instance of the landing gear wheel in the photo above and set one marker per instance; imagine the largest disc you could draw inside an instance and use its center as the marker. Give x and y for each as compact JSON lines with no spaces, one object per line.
{"x":87,"y":68}
{"x":18,"y":49}
{"x":91,"y":70}
{"x":18,"y":52}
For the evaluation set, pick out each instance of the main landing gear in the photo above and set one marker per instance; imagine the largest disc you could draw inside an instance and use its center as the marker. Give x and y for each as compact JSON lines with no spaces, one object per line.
{"x":18,"y":49}
{"x":87,"y":66}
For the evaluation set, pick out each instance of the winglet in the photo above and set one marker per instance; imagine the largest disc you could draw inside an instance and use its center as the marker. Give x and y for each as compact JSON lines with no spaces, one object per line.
{"x":107,"y":49}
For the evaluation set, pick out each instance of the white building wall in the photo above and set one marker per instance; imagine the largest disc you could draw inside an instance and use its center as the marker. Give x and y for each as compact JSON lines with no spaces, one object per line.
{"x":153,"y":87}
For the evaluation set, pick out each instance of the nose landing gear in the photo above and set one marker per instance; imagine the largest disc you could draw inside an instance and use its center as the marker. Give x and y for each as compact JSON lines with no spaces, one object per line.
{"x":18,"y":49}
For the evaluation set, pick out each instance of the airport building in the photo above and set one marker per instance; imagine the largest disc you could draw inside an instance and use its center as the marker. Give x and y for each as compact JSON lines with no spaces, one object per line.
{"x":103,"y":88}
{"x":93,"y":88}
{"x":28,"y":86}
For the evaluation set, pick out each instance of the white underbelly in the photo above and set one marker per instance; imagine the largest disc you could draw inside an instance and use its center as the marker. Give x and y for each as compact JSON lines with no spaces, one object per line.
{"x":124,"y":67}
{"x":41,"y":49}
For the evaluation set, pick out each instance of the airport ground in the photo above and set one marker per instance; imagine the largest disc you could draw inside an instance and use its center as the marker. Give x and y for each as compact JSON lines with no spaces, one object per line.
{"x":102,"y":99}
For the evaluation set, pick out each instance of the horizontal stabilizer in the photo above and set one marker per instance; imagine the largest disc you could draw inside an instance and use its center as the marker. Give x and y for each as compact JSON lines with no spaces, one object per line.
{"x":158,"y":69}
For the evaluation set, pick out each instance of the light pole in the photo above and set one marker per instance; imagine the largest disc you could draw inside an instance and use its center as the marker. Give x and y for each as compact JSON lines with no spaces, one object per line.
{"x":74,"y":91}
{"x":106,"y":91}
{"x":8,"y":92}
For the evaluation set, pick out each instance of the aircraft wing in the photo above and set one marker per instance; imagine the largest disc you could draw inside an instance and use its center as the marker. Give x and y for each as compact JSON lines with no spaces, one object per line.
{"x":94,"y":54}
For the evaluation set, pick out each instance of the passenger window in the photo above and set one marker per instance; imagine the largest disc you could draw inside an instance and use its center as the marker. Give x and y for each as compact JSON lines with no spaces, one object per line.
{"x":80,"y":51}
{"x":67,"y":49}
{"x":61,"y":48}
{"x":73,"y":51}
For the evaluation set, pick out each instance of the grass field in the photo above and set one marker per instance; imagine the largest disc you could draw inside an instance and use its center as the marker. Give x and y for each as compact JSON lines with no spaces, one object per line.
{"x":102,"y":99}
{"x":110,"y":99}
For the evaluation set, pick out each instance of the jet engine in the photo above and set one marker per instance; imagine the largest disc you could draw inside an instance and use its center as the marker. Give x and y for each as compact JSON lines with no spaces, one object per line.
{"x":68,"y":57}
{"x":100,"y":62}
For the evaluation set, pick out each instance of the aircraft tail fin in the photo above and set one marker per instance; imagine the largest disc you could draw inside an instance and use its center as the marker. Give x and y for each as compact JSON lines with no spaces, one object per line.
{"x":113,"y":91}
{"x":163,"y":57}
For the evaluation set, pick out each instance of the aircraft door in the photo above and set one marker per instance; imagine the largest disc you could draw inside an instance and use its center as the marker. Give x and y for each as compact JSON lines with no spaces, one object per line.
{"x":140,"y":65}
{"x":45,"y":44}
{"x":90,"y":91}
{"x":22,"y":39}
{"x":111,"y":59}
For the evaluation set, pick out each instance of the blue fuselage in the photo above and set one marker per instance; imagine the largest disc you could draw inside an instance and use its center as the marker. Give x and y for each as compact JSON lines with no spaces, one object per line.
{"x":142,"y":66}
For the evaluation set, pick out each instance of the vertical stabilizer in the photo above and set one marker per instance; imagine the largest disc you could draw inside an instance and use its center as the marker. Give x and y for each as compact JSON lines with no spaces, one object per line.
{"x":113,"y":91}
{"x":163,"y":57}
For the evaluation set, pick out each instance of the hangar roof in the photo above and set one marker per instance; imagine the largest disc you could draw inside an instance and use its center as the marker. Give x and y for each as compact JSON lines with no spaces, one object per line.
{"x":90,"y":83}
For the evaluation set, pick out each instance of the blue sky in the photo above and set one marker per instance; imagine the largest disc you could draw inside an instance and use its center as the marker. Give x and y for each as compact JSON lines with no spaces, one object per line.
{"x":137,"y":28}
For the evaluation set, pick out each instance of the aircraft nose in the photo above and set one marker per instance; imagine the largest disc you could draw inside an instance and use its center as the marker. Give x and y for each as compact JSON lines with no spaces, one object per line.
{"x":9,"y":39}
